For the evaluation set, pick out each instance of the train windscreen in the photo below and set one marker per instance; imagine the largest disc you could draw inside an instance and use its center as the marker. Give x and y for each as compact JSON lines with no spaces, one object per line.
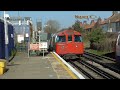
{"x":77,"y":38}
{"x":61,"y":39}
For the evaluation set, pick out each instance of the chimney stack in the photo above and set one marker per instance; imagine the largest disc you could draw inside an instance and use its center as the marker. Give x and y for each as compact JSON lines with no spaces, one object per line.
{"x":85,"y":22}
{"x":92,"y":21}
{"x":114,"y":12}
{"x":80,"y":22}
{"x":105,"y":18}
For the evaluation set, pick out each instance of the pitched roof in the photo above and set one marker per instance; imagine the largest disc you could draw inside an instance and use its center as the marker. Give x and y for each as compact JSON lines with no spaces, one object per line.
{"x":88,"y":26}
{"x":117,"y":20}
{"x":103,"y":22}
{"x":113,"y":18}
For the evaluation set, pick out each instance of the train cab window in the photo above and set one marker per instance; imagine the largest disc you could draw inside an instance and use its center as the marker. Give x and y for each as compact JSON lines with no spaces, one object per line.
{"x":61,"y":39}
{"x":77,"y":38}
{"x":70,"y":38}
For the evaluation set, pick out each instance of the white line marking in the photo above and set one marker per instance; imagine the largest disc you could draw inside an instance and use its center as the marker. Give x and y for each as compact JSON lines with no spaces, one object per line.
{"x":71,"y":68}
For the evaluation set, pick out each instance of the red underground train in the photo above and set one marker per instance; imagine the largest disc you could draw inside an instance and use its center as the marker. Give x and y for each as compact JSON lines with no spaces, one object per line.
{"x":68,"y":44}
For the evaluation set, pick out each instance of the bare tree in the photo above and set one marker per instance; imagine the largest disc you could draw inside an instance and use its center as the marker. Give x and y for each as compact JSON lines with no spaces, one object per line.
{"x":52,"y":26}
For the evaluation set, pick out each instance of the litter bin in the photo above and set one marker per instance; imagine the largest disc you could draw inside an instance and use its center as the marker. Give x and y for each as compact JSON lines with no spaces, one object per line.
{"x":2,"y":66}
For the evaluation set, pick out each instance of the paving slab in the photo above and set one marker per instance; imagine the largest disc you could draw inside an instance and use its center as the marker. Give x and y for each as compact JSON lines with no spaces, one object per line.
{"x":22,"y":67}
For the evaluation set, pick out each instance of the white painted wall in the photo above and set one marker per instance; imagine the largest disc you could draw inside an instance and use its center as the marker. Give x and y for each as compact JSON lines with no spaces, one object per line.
{"x":107,"y":28}
{"x":113,"y":26}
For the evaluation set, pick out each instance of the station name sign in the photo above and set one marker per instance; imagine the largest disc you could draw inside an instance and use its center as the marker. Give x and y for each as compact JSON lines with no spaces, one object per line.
{"x":86,"y":17}
{"x":19,"y":18}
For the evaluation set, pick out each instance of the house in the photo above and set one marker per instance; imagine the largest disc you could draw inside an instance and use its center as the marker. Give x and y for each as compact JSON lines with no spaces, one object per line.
{"x":88,"y":27}
{"x":112,"y":24}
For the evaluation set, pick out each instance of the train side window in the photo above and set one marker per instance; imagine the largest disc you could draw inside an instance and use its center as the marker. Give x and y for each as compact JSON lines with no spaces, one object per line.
{"x":77,"y":38}
{"x":61,"y":39}
{"x":70,"y":38}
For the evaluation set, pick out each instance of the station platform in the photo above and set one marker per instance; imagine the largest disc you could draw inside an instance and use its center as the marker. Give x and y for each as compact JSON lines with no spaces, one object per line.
{"x":37,"y":67}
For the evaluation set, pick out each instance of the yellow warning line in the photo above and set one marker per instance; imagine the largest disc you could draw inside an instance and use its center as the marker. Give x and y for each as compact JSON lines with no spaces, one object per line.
{"x":65,"y":67}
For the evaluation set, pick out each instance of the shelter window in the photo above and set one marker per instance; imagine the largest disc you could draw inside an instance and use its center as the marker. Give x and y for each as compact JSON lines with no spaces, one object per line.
{"x":61,"y":39}
{"x":70,"y":38}
{"x":77,"y":38}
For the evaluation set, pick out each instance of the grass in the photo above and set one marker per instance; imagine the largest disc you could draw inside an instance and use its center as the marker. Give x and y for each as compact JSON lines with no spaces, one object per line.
{"x":97,"y":52}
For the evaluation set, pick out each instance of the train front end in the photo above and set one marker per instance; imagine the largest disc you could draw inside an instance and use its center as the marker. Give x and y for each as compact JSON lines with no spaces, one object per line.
{"x":70,"y":45}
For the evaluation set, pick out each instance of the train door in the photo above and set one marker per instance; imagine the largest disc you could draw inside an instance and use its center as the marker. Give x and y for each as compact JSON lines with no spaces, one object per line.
{"x":70,"y":44}
{"x":118,"y":48}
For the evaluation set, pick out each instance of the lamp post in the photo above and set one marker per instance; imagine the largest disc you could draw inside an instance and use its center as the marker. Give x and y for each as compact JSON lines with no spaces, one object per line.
{"x":28,"y":42}
{"x":6,"y":37}
{"x":39,"y":39}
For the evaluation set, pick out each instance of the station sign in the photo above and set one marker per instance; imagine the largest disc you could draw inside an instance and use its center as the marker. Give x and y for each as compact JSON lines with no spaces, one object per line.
{"x":26,"y":35}
{"x":20,"y":38}
{"x":86,"y":17}
{"x":19,"y":18}
{"x":43,"y":45}
{"x":34,"y":46}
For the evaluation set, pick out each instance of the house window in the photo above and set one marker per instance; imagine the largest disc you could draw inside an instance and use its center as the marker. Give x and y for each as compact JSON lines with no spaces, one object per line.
{"x":117,"y":24}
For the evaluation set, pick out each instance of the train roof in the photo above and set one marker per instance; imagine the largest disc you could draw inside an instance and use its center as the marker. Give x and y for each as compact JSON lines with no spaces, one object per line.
{"x":68,"y":31}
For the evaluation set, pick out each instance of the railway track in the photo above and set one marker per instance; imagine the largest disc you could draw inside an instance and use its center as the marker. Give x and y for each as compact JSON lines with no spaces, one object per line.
{"x":80,"y":68}
{"x":100,"y":57}
{"x":105,"y":62}
{"x":91,"y":71}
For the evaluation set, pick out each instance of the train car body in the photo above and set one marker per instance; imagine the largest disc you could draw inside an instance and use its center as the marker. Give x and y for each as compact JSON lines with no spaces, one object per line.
{"x":67,"y":43}
{"x":118,"y":49}
{"x":2,"y":40}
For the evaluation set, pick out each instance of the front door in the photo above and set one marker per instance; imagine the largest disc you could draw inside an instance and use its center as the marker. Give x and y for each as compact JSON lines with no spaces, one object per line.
{"x":70,"y":44}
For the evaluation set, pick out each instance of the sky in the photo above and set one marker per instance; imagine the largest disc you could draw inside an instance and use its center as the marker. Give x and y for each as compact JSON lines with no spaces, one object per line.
{"x":65,"y":18}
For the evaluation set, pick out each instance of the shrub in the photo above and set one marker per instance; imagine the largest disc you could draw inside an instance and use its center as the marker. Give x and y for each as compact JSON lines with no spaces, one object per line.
{"x":107,"y":44}
{"x":102,"y":41}
{"x":96,"y":35}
